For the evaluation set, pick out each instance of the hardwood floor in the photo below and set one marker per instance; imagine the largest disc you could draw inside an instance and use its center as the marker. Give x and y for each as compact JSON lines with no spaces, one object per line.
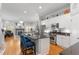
{"x":13,"y":47}
{"x":55,"y":49}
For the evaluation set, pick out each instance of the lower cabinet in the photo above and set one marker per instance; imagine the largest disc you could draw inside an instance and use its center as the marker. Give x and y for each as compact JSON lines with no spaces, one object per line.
{"x":63,"y":41}
{"x":43,"y":46}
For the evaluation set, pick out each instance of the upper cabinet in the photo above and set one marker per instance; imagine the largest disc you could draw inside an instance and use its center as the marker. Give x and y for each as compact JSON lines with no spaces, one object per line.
{"x":63,"y":20}
{"x":74,"y":8}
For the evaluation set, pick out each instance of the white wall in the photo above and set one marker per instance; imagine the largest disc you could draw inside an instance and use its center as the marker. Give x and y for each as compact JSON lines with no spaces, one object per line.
{"x":74,"y":8}
{"x":1,"y":35}
{"x":74,"y":23}
{"x":28,"y":27}
{"x":75,"y":29}
{"x":9,"y":25}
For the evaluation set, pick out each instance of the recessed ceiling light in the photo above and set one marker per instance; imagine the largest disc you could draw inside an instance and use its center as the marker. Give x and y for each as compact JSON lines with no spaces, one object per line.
{"x":25,"y":11}
{"x":18,"y":24}
{"x":4,"y":28}
{"x":21,"y":22}
{"x":43,"y":23}
{"x":40,"y":7}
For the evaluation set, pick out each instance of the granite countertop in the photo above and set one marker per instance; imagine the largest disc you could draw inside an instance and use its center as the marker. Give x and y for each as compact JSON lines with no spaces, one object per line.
{"x":62,"y":33}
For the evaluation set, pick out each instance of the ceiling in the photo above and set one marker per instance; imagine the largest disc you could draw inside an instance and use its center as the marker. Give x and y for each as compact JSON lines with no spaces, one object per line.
{"x":15,"y":11}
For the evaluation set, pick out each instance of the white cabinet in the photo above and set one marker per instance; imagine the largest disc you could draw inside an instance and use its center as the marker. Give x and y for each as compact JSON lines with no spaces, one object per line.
{"x":71,"y":23}
{"x":64,"y":21}
{"x":43,"y":46}
{"x":63,"y":41}
{"x":75,"y":29}
{"x":59,"y":40}
{"x":1,"y":35}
